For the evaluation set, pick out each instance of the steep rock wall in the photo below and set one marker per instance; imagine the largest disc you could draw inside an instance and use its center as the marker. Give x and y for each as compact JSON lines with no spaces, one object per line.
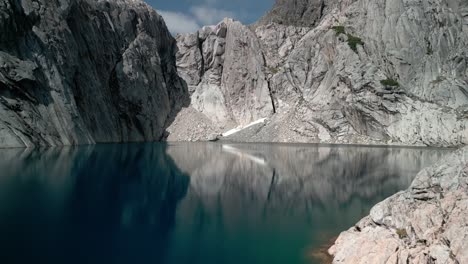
{"x":82,"y":71}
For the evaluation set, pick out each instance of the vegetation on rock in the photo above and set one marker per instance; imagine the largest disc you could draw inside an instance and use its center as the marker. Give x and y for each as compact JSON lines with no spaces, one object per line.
{"x":273,"y":70}
{"x":339,"y":30}
{"x":354,"y":41}
{"x":401,"y":232}
{"x":390,"y":82}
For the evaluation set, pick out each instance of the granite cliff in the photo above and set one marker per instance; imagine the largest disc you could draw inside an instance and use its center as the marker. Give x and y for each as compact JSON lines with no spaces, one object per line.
{"x":343,"y":71}
{"x":333,"y":71}
{"x":85,"y":71}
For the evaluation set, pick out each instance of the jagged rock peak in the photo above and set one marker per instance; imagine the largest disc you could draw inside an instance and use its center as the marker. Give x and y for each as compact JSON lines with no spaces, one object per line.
{"x":358,"y":71}
{"x":303,"y":13}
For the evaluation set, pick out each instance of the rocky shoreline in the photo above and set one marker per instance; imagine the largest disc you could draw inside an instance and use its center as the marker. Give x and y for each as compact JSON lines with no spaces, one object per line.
{"x":428,"y":223}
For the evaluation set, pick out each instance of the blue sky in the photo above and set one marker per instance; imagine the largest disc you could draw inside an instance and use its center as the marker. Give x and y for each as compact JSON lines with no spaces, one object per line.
{"x":183,"y":16}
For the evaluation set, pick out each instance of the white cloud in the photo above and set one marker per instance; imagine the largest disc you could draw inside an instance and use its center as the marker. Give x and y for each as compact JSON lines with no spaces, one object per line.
{"x":209,"y":16}
{"x":179,"y":22}
{"x":197,"y":16}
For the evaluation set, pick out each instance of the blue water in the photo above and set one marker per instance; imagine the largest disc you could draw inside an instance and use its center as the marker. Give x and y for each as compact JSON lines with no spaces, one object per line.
{"x":191,"y":202}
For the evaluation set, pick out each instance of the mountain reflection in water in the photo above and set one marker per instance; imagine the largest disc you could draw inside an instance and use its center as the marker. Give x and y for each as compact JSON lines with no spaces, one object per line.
{"x":191,"y":202}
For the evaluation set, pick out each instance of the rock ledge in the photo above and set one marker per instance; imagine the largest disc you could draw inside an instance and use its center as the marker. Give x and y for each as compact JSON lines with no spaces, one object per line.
{"x":428,"y":223}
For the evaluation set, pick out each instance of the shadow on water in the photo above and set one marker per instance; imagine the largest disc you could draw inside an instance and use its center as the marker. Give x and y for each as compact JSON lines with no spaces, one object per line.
{"x":97,"y":204}
{"x":191,"y":203}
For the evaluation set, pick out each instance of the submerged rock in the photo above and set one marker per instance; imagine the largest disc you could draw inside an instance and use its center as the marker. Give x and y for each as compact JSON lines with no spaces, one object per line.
{"x":428,"y":223}
{"x":365,"y":71}
{"x":80,"y":72}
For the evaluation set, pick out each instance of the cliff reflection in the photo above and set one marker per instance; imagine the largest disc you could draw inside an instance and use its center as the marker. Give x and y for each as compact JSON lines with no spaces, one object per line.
{"x":293,"y":176}
{"x":254,"y":192}
{"x":97,"y":204}
{"x":190,"y":203}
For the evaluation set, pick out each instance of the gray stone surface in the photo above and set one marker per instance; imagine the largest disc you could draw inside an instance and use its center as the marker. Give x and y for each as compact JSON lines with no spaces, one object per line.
{"x":85,"y":71}
{"x":428,"y":223}
{"x":297,"y":12}
{"x":225,"y":74}
{"x":321,"y":89}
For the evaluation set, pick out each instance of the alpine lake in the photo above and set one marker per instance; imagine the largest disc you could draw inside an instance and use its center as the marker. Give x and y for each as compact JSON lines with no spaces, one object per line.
{"x":177,"y":203}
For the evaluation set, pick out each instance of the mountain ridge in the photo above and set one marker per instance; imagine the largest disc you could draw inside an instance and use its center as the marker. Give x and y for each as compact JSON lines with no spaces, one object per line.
{"x":369,"y":72}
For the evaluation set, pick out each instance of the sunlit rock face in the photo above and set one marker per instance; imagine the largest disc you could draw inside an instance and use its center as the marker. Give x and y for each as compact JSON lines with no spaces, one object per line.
{"x":425,"y":224}
{"x":272,"y":180}
{"x":81,"y":72}
{"x":212,"y":61}
{"x":371,"y":72}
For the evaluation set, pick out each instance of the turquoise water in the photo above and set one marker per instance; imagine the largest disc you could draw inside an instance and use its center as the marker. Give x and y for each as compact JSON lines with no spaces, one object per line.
{"x":191,"y":202}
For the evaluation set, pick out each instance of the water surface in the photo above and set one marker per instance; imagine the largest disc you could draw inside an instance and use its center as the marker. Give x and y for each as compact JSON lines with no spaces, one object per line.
{"x":191,"y":203}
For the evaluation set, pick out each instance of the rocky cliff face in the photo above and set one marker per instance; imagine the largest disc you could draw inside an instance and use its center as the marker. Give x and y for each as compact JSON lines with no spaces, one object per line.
{"x":425,"y":224}
{"x":225,"y":74}
{"x":84,"y":71}
{"x":303,"y":13}
{"x":372,"y":72}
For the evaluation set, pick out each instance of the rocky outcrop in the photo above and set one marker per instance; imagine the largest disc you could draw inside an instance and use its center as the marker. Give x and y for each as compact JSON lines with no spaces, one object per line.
{"x":211,"y":61}
{"x":425,"y":224}
{"x":369,"y":72}
{"x":300,"y":13}
{"x":84,"y":71}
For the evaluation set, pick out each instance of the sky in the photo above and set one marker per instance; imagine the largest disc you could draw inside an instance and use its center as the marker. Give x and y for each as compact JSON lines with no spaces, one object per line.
{"x":184,"y":16}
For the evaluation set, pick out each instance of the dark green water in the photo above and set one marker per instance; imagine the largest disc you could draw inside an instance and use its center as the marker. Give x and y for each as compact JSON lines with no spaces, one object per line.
{"x":191,"y":203}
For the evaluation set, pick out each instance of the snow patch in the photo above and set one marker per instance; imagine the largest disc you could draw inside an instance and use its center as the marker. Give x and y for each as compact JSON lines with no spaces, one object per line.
{"x":239,"y":128}
{"x":241,"y":154}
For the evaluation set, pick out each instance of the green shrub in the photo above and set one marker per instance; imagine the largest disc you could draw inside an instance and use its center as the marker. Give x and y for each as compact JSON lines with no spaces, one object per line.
{"x":354,"y":41}
{"x":273,"y":70}
{"x":339,"y":30}
{"x":390,"y":82}
{"x":401,"y":232}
